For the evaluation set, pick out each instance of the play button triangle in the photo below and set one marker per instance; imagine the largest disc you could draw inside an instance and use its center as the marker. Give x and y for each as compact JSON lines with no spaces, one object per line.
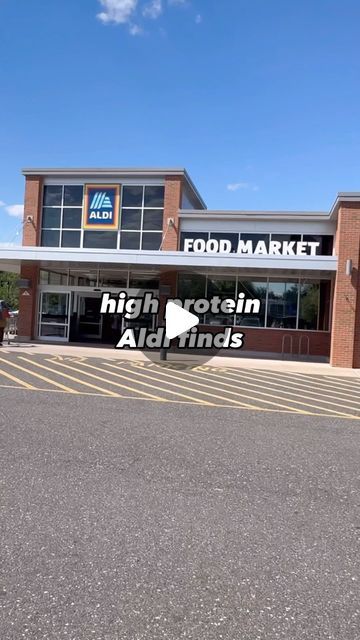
{"x":178,"y":320}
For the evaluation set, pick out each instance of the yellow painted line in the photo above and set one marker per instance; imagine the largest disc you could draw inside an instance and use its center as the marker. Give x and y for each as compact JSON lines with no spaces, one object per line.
{"x":116,"y":384}
{"x":65,"y":375}
{"x":23,"y":384}
{"x":38,"y":375}
{"x":181,"y":386}
{"x":241,"y":395}
{"x":145,"y":384}
{"x":304,"y":384}
{"x":263,"y":393}
{"x":330,"y":381}
{"x":266,"y":381}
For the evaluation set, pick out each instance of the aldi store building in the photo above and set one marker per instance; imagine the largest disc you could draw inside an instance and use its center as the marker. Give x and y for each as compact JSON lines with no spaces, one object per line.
{"x":87,"y":231}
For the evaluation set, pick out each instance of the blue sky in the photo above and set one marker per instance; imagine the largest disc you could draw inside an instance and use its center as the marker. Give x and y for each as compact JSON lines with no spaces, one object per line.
{"x":259,"y":99}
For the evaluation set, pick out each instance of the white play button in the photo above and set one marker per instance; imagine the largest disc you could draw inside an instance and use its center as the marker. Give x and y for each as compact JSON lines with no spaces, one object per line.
{"x":178,"y":320}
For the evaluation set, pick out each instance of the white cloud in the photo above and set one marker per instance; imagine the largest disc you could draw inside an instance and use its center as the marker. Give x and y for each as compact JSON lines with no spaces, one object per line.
{"x":2,"y":203}
{"x":135,"y":30}
{"x":125,"y":12}
{"x":15,"y":210}
{"x":153,"y":9}
{"x":235,"y":186}
{"x":117,"y":11}
{"x":198,"y":19}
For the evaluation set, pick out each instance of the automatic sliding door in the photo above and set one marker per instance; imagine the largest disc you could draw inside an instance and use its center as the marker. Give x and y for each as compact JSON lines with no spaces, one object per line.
{"x":54,"y":315}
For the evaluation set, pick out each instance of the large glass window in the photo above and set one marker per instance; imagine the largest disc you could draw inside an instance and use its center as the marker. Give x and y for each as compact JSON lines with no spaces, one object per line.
{"x":54,"y":315}
{"x":100,"y":239}
{"x":232,"y":237}
{"x":141,"y":219}
{"x":61,"y":216}
{"x":255,"y":289}
{"x":309,"y":305}
{"x":222,"y":287}
{"x":282,"y":304}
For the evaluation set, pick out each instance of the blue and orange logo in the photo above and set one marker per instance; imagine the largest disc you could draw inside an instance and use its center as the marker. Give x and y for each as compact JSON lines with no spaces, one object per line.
{"x":101,"y":210}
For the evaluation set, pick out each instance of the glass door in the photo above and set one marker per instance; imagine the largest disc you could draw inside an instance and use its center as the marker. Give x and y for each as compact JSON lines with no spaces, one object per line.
{"x":89,"y":317}
{"x":54,"y":315}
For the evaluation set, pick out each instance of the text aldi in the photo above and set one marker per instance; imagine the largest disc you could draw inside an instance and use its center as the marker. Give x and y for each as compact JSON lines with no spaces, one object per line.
{"x":101,"y":206}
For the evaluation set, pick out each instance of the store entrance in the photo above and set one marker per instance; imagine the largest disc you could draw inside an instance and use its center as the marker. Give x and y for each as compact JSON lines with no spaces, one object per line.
{"x":87,"y":324}
{"x":89,"y":319}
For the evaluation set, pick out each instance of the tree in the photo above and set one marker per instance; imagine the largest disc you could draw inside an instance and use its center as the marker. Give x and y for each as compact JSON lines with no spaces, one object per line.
{"x":8,"y":288}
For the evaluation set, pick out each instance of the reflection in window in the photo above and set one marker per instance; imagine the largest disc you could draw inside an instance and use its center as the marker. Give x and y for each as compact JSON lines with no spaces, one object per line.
{"x":62,"y":210}
{"x":309,"y":305}
{"x":255,"y":238}
{"x":151,"y":241}
{"x":131,"y":219}
{"x":132,"y":196}
{"x":194,"y":235}
{"x":256,"y":290}
{"x":129,"y":240}
{"x":282,"y":304}
{"x":154,"y":196}
{"x":191,"y":286}
{"x":100,"y":239}
{"x":143,"y":281}
{"x":50,"y":238}
{"x":232,"y":237}
{"x":325,"y":242}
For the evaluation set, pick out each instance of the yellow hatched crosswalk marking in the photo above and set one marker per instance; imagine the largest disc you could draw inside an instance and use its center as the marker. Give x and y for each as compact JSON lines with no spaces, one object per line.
{"x":241,"y":395}
{"x":9,"y":376}
{"x":303,"y":403}
{"x":39,"y":376}
{"x":151,"y":386}
{"x":65,"y":375}
{"x":331,"y":388}
{"x":299,"y":393}
{"x":177,"y":384}
{"x":116,"y":384}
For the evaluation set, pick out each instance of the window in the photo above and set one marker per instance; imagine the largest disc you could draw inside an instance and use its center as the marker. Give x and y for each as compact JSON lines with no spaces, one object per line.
{"x":222,"y":288}
{"x":61,"y":216}
{"x":193,"y":235}
{"x":141,"y":219}
{"x":232,"y":237}
{"x":282,"y":304}
{"x":100,"y":239}
{"x":257,"y":290}
{"x":326,"y":244}
{"x":309,"y":305}
{"x":191,"y":286}
{"x":54,"y":315}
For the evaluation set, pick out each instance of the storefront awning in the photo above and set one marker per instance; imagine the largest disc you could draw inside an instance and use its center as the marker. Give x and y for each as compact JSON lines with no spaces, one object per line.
{"x":11,"y":259}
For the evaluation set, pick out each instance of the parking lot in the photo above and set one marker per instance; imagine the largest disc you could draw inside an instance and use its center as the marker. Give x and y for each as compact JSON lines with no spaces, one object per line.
{"x":238,"y":388}
{"x":154,"y":501}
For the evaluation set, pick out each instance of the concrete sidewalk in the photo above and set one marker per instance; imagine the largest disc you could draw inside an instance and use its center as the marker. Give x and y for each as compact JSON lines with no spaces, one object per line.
{"x":186,"y":359}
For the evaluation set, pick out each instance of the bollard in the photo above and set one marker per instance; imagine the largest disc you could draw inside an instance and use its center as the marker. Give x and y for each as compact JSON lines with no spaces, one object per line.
{"x":163,"y":353}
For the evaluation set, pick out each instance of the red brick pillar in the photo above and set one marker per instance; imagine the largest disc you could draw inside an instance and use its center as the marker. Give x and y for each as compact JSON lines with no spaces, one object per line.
{"x":172,"y":203}
{"x":31,"y":238}
{"x":345,"y":329}
{"x":28,"y":303}
{"x":32,"y":209}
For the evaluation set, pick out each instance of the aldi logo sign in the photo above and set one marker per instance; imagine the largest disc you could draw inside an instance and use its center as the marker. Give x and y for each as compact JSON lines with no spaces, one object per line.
{"x":101,"y":206}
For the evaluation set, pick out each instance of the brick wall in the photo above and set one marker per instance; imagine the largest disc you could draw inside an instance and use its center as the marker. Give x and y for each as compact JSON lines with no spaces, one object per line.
{"x":28,"y":302}
{"x":172,"y":202}
{"x":32,"y":207}
{"x":270,"y":340}
{"x":345,"y":330}
{"x":31,"y":232}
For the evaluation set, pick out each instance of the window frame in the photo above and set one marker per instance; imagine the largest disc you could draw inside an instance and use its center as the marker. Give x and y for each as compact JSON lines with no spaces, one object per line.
{"x":141,"y":231}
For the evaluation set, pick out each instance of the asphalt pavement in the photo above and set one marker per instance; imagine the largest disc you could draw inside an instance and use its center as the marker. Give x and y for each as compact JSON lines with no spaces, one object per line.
{"x":130,"y":518}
